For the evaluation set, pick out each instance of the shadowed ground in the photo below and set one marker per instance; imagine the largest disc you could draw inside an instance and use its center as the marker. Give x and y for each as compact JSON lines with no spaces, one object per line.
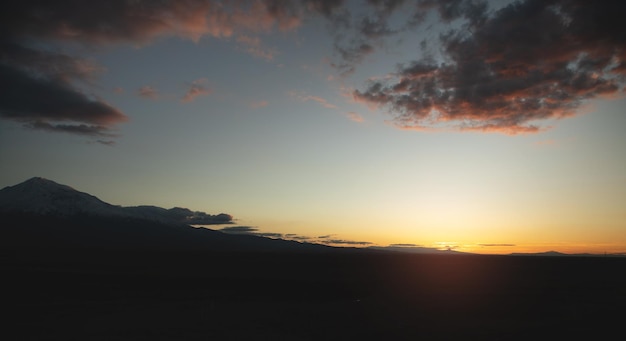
{"x":97,"y":295}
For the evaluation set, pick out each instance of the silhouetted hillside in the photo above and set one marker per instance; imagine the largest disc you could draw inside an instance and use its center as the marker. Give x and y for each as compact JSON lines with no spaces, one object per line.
{"x":40,"y":214}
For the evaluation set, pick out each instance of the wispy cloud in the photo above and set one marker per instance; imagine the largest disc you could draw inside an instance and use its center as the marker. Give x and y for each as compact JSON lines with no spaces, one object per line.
{"x":355,"y":117}
{"x":106,"y":142}
{"x":148,"y":92}
{"x":254,"y":47}
{"x":305,"y":98}
{"x":195,"y":89}
{"x":344,"y":242}
{"x":258,"y":104}
{"x":404,"y":245}
{"x":496,"y":245}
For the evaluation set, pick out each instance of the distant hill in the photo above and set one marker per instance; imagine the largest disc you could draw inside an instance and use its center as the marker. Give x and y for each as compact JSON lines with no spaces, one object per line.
{"x":560,"y":254}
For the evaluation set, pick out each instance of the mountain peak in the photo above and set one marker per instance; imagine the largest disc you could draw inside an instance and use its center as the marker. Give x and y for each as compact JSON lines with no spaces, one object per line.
{"x":42,"y":196}
{"x":43,"y":183}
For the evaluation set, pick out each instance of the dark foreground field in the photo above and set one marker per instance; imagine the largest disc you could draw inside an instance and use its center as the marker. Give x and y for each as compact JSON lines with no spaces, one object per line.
{"x":92,"y":295}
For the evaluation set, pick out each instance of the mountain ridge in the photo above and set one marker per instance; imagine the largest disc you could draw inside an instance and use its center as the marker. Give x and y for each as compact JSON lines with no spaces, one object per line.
{"x":40,"y":214}
{"x":42,"y":196}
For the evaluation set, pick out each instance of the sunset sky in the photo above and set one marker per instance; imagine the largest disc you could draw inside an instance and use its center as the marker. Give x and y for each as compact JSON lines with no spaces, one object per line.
{"x":481,"y":126}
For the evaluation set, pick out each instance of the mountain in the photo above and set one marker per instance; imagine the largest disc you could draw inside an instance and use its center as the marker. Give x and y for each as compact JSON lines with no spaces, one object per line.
{"x":40,"y":214}
{"x":41,"y":196}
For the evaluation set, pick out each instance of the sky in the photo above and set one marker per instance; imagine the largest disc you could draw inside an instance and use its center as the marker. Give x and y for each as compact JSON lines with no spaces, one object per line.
{"x":480,"y":126}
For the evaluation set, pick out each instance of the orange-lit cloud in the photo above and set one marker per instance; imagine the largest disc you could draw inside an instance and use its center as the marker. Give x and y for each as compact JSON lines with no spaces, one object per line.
{"x":305,"y":98}
{"x":355,"y":117}
{"x":508,"y":71}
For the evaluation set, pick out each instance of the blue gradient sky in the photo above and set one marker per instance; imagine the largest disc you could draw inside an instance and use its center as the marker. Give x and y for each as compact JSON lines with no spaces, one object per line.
{"x":279,"y":137}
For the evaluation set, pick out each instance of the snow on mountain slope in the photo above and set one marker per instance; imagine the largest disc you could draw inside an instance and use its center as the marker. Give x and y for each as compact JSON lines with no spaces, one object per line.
{"x":42,"y":196}
{"x":45,"y":197}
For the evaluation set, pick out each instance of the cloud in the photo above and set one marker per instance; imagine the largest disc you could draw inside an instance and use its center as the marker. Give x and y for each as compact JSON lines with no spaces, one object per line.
{"x":41,"y":96}
{"x":510,"y":70}
{"x":197,"y":88}
{"x":201,"y":218}
{"x":305,"y":98}
{"x":496,"y":244}
{"x":106,"y":142}
{"x":253,"y":46}
{"x":258,"y":104}
{"x":80,"y":129}
{"x":344,"y":242}
{"x":142,"y":21}
{"x":403,"y":245}
{"x":358,"y":34}
{"x":239,"y":229}
{"x":252,"y":231}
{"x":270,"y":235}
{"x":148,"y":92}
{"x":297,"y":237}
{"x":355,"y":117}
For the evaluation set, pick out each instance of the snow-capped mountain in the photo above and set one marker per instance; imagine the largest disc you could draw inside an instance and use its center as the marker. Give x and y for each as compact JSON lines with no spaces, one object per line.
{"x":40,"y":217}
{"x":41,"y":196}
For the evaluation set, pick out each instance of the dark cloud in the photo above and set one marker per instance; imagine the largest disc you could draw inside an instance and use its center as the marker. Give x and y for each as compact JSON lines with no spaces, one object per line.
{"x":448,"y":10}
{"x":106,"y":142}
{"x":41,"y":98}
{"x":201,"y":218}
{"x":344,"y":242}
{"x":80,"y":129}
{"x":253,"y":231}
{"x":179,"y":215}
{"x":294,"y":236}
{"x":270,"y":235}
{"x":403,"y":245}
{"x":508,"y":70}
{"x":239,"y":229}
